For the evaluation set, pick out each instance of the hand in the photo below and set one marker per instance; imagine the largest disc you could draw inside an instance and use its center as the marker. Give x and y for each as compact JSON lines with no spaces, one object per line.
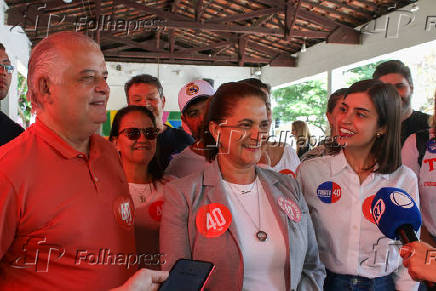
{"x":420,"y":259}
{"x":144,"y":280}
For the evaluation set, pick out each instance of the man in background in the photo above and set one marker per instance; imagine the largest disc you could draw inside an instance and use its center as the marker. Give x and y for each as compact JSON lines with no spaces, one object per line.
{"x":8,"y":129}
{"x":396,"y":73}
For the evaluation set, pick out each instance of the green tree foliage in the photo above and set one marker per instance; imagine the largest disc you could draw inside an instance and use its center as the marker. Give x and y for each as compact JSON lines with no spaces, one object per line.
{"x":360,"y":73}
{"x":305,"y":101}
{"x":24,"y":106}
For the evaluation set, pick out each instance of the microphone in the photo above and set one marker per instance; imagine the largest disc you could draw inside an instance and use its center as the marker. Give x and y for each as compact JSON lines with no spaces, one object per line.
{"x":397,"y":216}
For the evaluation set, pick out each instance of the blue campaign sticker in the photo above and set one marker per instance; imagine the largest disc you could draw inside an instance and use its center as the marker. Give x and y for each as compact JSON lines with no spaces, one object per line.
{"x":329,"y":192}
{"x":431,"y":146}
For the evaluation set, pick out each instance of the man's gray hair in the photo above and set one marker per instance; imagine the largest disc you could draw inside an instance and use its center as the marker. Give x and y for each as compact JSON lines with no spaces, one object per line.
{"x":45,"y":59}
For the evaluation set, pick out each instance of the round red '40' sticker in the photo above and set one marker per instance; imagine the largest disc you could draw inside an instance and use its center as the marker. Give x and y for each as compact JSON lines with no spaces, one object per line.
{"x":213,"y":219}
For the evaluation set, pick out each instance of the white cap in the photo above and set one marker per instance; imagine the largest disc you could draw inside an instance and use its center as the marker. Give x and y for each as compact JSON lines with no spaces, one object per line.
{"x":192,"y":90}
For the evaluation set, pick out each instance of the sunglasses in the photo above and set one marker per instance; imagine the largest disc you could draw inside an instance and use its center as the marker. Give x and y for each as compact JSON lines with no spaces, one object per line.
{"x":8,"y":68}
{"x":134,"y":133}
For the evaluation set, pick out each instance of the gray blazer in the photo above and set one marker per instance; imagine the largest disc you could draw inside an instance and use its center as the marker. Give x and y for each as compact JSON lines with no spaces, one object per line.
{"x":179,"y":237}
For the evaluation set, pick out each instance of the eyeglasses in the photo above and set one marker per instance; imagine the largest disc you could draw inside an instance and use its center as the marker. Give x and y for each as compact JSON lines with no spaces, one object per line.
{"x":8,"y":68}
{"x":134,"y":133}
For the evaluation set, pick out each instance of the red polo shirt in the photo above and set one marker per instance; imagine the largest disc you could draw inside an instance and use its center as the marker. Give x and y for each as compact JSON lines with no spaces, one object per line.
{"x":66,"y":221}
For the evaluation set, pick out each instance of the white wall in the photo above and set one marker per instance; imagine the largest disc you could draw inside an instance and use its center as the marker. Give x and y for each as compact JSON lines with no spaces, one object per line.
{"x":324,"y":57}
{"x":18,"y":49}
{"x":172,"y":77}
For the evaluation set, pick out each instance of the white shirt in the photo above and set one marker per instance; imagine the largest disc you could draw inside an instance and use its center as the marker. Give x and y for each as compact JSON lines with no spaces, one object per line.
{"x":185,"y":163}
{"x":263,"y":261}
{"x":348,"y":242}
{"x":426,"y":176}
{"x":289,"y":160}
{"x":148,"y":202}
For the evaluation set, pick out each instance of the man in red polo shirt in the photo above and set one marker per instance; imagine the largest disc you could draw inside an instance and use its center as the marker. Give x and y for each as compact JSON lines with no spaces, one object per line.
{"x":66,"y":216}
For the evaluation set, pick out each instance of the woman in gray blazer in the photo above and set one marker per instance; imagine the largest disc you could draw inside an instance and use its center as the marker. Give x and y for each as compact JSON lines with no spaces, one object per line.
{"x":251,"y":223}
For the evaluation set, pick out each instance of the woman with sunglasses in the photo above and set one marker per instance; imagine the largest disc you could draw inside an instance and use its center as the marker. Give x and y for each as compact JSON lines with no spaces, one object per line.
{"x":134,"y":134}
{"x":339,"y":190}
{"x":251,"y":223}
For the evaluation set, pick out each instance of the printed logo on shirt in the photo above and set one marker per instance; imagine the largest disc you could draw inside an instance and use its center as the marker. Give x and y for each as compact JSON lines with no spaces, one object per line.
{"x":431,"y":164}
{"x":431,"y":146}
{"x":366,"y":208}
{"x":329,"y":192}
{"x":402,"y":200}
{"x":290,"y":208}
{"x":191,"y":89}
{"x":213,"y":219}
{"x":155,"y":210}
{"x":378,"y":210}
{"x":288,"y":172}
{"x":124,"y":211}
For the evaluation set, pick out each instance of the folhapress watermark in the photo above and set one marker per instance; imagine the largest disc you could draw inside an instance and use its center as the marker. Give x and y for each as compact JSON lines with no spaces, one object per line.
{"x":38,"y":254}
{"x":37,"y":17}
{"x":107,"y":23}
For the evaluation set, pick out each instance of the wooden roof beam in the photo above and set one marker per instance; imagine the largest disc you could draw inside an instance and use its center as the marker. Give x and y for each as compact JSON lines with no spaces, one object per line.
{"x":242,"y":43}
{"x":291,"y":14}
{"x":199,"y":57}
{"x":209,"y":47}
{"x":199,"y":10}
{"x":97,"y":16}
{"x":245,"y":16}
{"x":175,"y":5}
{"x":345,"y":35}
{"x":151,"y":10}
{"x":263,"y":49}
{"x":148,"y":45}
{"x":238,"y":29}
{"x":284,"y":60}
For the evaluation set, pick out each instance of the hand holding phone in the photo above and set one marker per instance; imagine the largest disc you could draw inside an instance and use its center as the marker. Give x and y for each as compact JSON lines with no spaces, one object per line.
{"x":188,"y":275}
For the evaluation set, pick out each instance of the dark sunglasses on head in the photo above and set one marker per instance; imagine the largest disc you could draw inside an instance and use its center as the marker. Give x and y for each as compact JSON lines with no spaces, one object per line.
{"x":134,"y":133}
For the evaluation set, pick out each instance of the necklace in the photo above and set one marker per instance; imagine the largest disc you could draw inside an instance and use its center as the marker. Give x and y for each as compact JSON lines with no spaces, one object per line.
{"x":260,"y":234}
{"x":142,"y":196}
{"x":234,"y":189}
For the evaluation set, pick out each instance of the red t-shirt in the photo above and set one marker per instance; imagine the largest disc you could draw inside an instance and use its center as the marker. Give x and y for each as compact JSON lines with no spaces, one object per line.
{"x":66,"y":221}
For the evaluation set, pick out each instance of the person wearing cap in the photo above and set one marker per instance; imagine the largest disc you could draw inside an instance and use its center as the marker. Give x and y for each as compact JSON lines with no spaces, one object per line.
{"x":193,"y":100}
{"x":8,"y":128}
{"x":146,"y":90}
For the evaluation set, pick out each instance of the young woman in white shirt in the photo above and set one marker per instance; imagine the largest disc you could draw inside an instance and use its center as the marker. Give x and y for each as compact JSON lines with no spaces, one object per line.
{"x":134,"y":134}
{"x":339,"y":189}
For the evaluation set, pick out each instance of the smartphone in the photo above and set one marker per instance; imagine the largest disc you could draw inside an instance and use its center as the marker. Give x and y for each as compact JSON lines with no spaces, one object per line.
{"x":188,"y":275}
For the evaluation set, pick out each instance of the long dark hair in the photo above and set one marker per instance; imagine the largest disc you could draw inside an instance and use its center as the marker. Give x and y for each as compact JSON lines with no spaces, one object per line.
{"x":386,"y":148}
{"x":154,"y":169}
{"x":221,"y":105}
